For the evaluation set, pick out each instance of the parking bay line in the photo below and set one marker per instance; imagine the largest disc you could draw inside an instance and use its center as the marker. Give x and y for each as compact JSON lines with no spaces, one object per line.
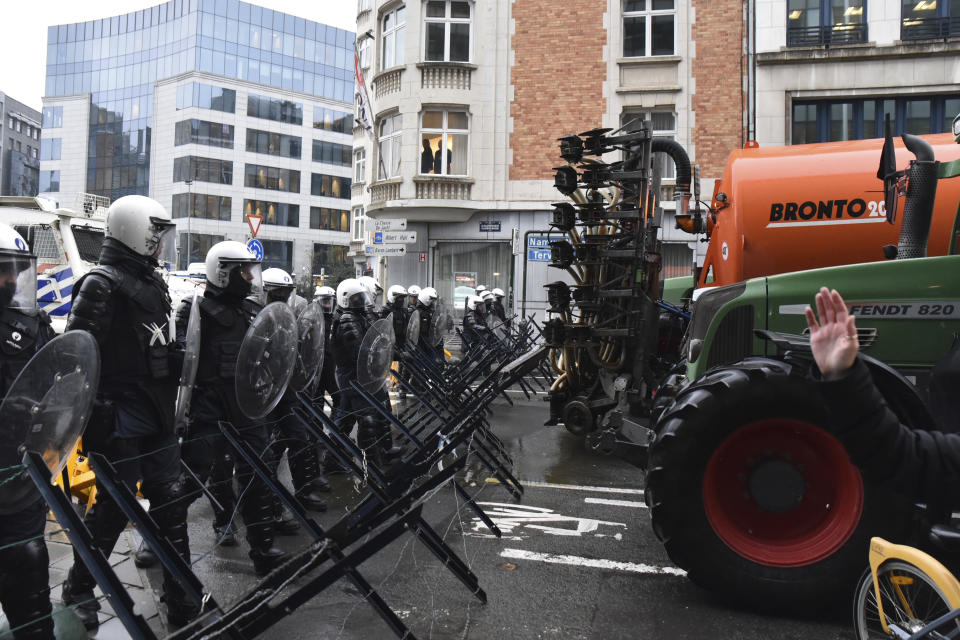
{"x":575,"y":487}
{"x":550,"y":558}
{"x":616,"y":503}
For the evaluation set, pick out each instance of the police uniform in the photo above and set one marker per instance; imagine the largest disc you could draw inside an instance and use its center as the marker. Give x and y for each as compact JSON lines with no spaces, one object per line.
{"x":24,"y":579}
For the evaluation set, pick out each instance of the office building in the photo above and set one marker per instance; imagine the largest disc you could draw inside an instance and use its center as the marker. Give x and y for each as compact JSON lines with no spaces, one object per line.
{"x":19,"y":148}
{"x":216,"y":108}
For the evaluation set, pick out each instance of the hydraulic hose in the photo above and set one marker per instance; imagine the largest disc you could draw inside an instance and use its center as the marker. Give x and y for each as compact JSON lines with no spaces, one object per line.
{"x":680,"y":158}
{"x":918,"y":208}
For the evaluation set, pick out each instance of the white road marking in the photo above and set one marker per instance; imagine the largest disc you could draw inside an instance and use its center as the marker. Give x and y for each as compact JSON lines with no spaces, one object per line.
{"x":509,"y":516}
{"x":616,"y":503}
{"x":574,"y":487}
{"x":519,"y":554}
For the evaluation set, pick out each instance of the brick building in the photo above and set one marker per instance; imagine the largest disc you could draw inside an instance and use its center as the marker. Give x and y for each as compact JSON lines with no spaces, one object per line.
{"x":495,"y":84}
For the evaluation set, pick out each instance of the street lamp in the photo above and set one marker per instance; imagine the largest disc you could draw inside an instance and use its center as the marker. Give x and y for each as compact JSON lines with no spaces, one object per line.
{"x":189,"y":183}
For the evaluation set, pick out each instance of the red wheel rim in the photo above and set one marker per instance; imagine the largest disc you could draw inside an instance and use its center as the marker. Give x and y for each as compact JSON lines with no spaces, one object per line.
{"x":782,"y":493}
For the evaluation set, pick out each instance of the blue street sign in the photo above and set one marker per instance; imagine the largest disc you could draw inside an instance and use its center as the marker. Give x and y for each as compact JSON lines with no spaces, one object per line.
{"x":257,"y":248}
{"x":378,"y":237}
{"x":535,"y":241}
{"x":538,"y":255}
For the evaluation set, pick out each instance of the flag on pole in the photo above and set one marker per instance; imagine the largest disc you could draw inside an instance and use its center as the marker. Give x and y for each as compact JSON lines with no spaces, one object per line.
{"x":363,"y":100}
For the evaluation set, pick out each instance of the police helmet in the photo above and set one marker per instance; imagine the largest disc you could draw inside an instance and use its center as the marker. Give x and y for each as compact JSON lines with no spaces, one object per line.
{"x":351,"y":294}
{"x":142,"y":225}
{"x":18,"y":271}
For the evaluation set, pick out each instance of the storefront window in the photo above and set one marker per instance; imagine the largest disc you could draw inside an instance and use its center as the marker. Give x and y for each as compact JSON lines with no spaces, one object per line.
{"x":461,"y":266}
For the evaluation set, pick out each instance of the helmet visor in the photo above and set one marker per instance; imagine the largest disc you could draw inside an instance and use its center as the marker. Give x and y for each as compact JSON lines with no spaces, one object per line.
{"x":18,"y":281}
{"x":280,"y":294}
{"x":326,"y":303}
{"x":162,"y":243}
{"x":359,"y":300}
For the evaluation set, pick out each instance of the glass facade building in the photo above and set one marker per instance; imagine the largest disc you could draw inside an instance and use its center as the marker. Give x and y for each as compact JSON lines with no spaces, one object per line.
{"x":118,"y":60}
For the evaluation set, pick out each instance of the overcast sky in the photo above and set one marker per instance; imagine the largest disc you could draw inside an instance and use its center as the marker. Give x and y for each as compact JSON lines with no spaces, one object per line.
{"x":23,"y":32}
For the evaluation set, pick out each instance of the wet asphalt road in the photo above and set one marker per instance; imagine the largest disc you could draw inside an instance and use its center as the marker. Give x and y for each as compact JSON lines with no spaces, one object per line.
{"x":578,"y":560}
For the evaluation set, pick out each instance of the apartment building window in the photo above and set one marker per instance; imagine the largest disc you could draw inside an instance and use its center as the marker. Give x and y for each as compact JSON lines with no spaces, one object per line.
{"x":272,"y":178}
{"x":17,"y":125}
{"x":331,"y":153}
{"x":857,"y":119}
{"x":52,"y":117}
{"x":388,"y":137}
{"x":202,"y":170}
{"x":812,"y":23}
{"x":201,"y":205}
{"x":273,"y":144}
{"x":363,"y":5}
{"x":448,"y":130}
{"x":36,"y":134}
{"x":329,"y":219}
{"x":447,"y":31}
{"x":664,"y":124}
{"x":648,"y":28}
{"x":50,"y":148}
{"x":357,"y":235}
{"x":930,"y":20}
{"x":33,"y":152}
{"x":363,"y":50}
{"x":279,"y":213}
{"x":360,"y":165}
{"x":392,"y":31}
{"x":49,"y":181}
{"x":330,"y":186}
{"x":9,"y":122}
{"x":327,"y":256}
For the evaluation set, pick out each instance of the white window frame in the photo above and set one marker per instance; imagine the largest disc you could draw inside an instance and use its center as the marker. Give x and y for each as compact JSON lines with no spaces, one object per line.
{"x":363,"y":5}
{"x":357,"y":224}
{"x":444,"y":132}
{"x":447,"y":21}
{"x":667,"y":170}
{"x":363,"y":51}
{"x":390,"y":147}
{"x":392,"y":53}
{"x":359,"y":165}
{"x":648,"y":13}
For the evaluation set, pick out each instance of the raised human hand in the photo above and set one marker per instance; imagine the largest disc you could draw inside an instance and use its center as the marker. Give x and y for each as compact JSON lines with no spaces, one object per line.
{"x":833,"y":339}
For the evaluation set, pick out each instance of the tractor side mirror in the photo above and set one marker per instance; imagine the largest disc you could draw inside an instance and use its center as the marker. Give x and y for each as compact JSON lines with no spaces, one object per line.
{"x":956,"y":128}
{"x":888,"y":173}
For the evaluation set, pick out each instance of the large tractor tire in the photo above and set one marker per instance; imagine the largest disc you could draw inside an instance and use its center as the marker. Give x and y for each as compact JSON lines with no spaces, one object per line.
{"x":755,"y":499}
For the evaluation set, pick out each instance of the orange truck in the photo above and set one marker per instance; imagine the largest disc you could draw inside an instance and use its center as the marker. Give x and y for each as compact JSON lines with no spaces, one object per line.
{"x":783,"y":209}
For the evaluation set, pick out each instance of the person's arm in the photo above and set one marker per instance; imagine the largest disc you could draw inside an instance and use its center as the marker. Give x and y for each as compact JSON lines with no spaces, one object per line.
{"x":919,"y":462}
{"x":92,"y":308}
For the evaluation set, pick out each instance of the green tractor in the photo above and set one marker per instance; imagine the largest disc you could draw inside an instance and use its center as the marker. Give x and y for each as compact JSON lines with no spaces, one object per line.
{"x":747,"y":490}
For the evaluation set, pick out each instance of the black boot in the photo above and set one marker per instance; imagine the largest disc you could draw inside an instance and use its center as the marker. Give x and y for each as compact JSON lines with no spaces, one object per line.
{"x":26,"y":597}
{"x":257,"y":511}
{"x":368,"y":439}
{"x":305,"y":471}
{"x":145,"y":557}
{"x":171,"y":519}
{"x":226,"y":534}
{"x":105,"y":522}
{"x":284,"y":524}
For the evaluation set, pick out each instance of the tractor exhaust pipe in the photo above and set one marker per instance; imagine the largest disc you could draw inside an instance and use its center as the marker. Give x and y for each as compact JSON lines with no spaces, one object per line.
{"x":921,"y":192}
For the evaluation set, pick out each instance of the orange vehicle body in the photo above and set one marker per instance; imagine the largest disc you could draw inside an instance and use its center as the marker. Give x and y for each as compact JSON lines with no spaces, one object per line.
{"x":814,"y":205}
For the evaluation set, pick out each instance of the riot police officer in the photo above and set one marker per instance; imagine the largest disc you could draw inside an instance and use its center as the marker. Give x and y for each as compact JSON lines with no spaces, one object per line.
{"x":474,"y":322}
{"x":290,"y":435}
{"x":499,"y":312}
{"x":413,"y":291}
{"x":426,"y":305}
{"x":24,"y":579}
{"x":397,"y":305}
{"x":228,"y":306}
{"x":125,"y":305}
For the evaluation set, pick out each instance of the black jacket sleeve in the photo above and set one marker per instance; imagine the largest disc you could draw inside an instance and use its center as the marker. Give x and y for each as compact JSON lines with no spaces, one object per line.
{"x":925,"y":464}
{"x":92,"y":308}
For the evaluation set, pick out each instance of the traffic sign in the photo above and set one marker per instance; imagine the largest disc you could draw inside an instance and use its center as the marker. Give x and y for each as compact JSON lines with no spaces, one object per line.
{"x":538,"y":255}
{"x":399,"y":237}
{"x":385,"y":250}
{"x":538,"y":241}
{"x":387,"y":224}
{"x":257,"y":248}
{"x":254,"y":222}
{"x":423,"y":256}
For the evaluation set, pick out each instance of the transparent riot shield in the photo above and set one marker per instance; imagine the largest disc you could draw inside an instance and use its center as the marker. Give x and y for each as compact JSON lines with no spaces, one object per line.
{"x":266,"y":360}
{"x":191,"y":358}
{"x":46,"y":410}
{"x":440,"y":325}
{"x":412,"y":335}
{"x":376,"y":354}
{"x":310,"y":343}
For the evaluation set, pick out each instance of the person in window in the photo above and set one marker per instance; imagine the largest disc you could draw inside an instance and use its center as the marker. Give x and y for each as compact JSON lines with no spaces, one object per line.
{"x":438,"y":161}
{"x":426,"y":158}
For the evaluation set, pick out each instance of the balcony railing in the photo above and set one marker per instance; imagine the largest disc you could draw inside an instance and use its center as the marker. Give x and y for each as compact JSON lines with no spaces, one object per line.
{"x":825,"y":36}
{"x":930,"y":28}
